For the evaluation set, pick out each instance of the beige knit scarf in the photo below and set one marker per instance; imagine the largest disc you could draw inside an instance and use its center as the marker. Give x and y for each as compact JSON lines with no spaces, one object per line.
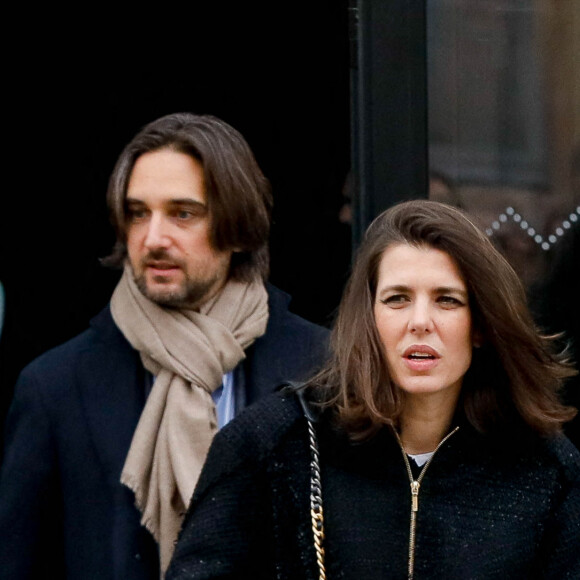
{"x":188,"y":352}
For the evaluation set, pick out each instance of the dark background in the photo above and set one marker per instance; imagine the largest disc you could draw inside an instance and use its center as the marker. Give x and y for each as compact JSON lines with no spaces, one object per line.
{"x":78,"y":86}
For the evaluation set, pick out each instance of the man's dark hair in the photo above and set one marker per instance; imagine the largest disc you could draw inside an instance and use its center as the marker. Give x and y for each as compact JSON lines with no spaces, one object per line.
{"x":238,"y":194}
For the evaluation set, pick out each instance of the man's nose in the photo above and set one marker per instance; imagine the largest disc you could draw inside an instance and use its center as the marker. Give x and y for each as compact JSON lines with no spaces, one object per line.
{"x":157,"y":233}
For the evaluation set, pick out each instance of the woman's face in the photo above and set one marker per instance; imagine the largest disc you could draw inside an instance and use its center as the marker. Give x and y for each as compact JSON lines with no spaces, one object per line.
{"x":423,"y":317}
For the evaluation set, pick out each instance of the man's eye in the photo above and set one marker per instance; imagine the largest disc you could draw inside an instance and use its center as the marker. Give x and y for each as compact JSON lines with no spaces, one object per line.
{"x":184,"y":214}
{"x":136,"y":214}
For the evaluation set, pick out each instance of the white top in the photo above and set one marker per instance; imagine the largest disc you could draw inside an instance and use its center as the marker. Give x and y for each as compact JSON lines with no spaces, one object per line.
{"x":421,"y":458}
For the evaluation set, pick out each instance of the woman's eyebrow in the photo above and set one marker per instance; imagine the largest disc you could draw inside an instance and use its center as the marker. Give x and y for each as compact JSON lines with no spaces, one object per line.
{"x":451,"y":290}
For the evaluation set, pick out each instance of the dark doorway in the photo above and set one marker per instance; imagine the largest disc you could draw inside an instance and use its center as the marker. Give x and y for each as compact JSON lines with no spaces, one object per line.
{"x":80,"y":85}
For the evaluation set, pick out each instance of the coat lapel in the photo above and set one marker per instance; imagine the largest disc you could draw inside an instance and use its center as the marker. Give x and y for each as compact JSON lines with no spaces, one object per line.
{"x":111,"y":384}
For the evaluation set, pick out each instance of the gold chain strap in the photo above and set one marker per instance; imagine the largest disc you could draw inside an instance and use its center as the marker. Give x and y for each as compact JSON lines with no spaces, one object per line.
{"x":316,"y":502}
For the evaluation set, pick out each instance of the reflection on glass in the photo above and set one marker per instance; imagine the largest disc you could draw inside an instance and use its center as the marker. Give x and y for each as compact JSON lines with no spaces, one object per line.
{"x":504,"y":142}
{"x":504,"y":121}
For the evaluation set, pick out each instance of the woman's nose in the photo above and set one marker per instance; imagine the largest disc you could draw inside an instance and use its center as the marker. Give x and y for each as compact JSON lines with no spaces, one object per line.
{"x":421,"y":319}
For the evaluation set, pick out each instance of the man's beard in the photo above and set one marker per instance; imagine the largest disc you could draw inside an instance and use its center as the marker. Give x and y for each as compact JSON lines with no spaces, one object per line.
{"x":190,"y":293}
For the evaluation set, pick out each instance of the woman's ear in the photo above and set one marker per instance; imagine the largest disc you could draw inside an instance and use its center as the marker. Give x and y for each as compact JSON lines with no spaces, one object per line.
{"x":477,"y":339}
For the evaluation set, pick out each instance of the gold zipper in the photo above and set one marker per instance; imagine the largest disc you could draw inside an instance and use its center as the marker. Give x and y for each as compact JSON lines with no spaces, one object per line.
{"x":415,"y":487}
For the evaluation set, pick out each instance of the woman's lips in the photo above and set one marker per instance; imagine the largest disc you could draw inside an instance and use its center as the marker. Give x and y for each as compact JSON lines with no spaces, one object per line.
{"x":421,"y":358}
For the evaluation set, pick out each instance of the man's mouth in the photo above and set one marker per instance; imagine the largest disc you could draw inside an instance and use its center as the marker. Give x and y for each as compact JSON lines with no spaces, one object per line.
{"x":160,"y":270}
{"x":160,"y":265}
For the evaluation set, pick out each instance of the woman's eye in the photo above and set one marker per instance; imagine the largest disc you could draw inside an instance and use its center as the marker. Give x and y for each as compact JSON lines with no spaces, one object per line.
{"x":136,"y":214}
{"x":449,"y":301}
{"x":394,"y":300}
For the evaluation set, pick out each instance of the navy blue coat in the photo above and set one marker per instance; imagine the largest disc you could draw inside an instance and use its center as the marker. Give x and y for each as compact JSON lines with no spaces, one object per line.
{"x":63,"y":511}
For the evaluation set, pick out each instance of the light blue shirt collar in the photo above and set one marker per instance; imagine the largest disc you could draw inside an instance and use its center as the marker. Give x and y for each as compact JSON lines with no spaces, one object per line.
{"x":224,"y":399}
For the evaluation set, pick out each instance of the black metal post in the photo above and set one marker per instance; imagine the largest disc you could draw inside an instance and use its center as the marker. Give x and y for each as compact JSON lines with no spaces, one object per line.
{"x":388,"y":106}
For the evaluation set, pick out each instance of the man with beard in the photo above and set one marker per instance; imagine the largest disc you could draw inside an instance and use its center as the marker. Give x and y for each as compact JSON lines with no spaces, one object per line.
{"x":107,"y":433}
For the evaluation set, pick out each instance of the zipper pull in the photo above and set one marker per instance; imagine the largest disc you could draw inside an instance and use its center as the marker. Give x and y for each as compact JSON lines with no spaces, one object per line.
{"x":415,"y":495}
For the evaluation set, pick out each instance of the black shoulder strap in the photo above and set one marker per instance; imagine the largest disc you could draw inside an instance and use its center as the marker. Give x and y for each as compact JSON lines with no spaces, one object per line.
{"x":298,"y":390}
{"x":316,"y":513}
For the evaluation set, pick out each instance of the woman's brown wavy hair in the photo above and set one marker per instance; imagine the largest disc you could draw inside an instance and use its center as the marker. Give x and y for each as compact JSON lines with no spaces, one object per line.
{"x":515,"y":375}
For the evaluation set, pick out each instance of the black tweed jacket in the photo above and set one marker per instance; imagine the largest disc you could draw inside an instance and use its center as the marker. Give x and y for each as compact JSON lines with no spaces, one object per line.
{"x":503,"y":508}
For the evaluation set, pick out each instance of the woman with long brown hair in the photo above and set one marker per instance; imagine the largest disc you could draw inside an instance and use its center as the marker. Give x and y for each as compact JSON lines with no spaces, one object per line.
{"x":430,"y":445}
